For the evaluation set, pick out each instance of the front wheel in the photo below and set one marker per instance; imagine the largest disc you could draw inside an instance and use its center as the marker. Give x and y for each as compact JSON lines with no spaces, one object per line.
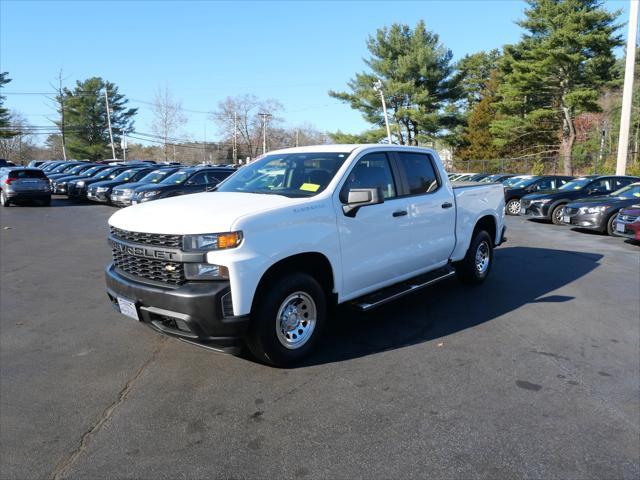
{"x":611,"y":224}
{"x":476,"y":265}
{"x":556,"y":215}
{"x":289,"y":317}
{"x":513,"y":207}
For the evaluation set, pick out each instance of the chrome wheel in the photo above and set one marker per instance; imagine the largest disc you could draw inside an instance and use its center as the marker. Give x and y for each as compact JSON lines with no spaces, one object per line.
{"x":483,"y":257}
{"x":296,"y":320}
{"x":513,"y":207}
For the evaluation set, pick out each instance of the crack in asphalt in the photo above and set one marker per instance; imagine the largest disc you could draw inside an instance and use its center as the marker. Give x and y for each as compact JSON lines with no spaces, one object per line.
{"x":69,"y":460}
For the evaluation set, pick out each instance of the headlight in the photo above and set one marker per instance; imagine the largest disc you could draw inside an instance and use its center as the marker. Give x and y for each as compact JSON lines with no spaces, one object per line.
{"x":152,"y":193}
{"x":212,"y":241}
{"x":598,"y":209}
{"x":80,"y":183}
{"x":102,"y":189}
{"x":542,"y":201}
{"x":205,"y":271}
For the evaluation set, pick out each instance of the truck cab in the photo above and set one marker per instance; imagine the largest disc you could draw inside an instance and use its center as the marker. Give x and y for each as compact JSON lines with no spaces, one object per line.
{"x":261,"y":259}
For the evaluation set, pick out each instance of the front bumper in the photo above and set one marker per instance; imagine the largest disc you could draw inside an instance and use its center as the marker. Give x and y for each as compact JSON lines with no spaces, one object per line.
{"x":60,"y":189}
{"x":194,"y":311}
{"x":631,"y":230}
{"x":589,"y":221}
{"x":121,"y":200}
{"x":534,"y":210}
{"x":75,"y":192}
{"x":94,"y":196}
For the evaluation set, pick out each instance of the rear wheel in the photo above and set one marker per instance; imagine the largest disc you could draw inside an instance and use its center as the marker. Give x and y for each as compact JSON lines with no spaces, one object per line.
{"x":476,"y":265}
{"x":556,"y":215}
{"x":288,"y":320}
{"x":513,"y":207}
{"x":4,"y":201}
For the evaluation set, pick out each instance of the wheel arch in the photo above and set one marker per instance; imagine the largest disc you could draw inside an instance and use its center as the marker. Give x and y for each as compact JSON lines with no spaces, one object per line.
{"x":487,"y":223}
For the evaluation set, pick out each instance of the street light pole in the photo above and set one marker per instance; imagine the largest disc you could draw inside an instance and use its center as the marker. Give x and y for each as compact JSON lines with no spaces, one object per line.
{"x":265,"y":117}
{"x":627,"y":93}
{"x":106,"y":101}
{"x":377,"y":86}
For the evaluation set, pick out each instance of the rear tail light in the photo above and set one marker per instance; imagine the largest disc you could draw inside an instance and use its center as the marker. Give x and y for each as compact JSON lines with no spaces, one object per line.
{"x":9,"y":180}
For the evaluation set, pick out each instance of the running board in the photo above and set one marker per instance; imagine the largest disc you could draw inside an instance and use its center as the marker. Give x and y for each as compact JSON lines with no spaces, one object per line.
{"x":401,"y":289}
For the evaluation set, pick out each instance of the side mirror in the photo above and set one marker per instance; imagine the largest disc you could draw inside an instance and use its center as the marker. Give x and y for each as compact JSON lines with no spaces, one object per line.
{"x":597,"y":191}
{"x":360,"y":197}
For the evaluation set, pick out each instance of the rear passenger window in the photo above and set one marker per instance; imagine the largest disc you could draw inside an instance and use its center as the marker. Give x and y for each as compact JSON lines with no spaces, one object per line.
{"x":623,"y":182}
{"x":420,"y":173}
{"x":217,"y":177}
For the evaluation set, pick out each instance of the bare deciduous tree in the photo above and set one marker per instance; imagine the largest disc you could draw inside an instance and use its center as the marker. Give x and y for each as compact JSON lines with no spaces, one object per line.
{"x":168,"y":118}
{"x":16,"y":148}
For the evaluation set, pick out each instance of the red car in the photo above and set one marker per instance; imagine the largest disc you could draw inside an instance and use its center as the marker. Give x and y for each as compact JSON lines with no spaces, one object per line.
{"x":628,"y":223}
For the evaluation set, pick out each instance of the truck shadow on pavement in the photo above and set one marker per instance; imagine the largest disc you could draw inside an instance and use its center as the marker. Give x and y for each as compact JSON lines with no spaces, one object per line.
{"x":520,"y":276}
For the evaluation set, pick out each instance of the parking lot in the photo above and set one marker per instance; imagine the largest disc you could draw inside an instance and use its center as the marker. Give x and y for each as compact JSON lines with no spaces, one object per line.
{"x":533,"y":374}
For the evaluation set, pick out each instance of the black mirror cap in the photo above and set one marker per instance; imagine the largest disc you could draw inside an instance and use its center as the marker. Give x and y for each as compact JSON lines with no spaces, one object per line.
{"x":360,"y":197}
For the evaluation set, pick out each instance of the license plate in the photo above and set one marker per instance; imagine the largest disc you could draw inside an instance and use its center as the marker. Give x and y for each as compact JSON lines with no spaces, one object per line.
{"x":523,"y":211}
{"x":128,"y":308}
{"x":620,"y":227}
{"x":134,"y":202}
{"x":566,"y":219}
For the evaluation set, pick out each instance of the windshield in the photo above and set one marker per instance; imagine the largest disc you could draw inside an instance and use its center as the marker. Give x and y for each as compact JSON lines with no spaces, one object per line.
{"x":126,"y":175}
{"x":288,"y":174}
{"x":576,"y":184}
{"x":92,"y":170}
{"x":524,"y":182}
{"x":510,"y":182}
{"x":155,"y":177}
{"x":106,"y":172}
{"x":178,"y":177}
{"x":77,"y":169}
{"x":62,"y":168}
{"x":630,"y":191}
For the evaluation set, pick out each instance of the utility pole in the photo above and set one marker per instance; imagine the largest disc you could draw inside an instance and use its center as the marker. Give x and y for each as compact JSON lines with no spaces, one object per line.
{"x":123,"y":144}
{"x":627,"y":95}
{"x":204,"y":146}
{"x":377,"y":86}
{"x":265,"y":117}
{"x":297,"y":137}
{"x":235,"y":137}
{"x":106,"y":101}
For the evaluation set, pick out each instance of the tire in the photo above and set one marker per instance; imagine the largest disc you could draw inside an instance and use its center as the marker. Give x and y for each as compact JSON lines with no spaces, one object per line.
{"x":292,"y":298}
{"x":611,"y":225}
{"x":476,"y":265}
{"x":4,"y":201}
{"x":513,"y":207}
{"x":556,"y":215}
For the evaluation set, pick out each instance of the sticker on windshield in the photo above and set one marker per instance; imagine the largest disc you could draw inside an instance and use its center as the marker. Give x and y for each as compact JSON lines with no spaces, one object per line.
{"x":309,"y":187}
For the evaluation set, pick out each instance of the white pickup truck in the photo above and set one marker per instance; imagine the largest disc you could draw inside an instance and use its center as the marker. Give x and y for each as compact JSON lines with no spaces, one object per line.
{"x":262,"y":259}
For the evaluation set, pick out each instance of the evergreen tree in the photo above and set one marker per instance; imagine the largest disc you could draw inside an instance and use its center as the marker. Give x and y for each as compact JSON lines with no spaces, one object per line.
{"x":86,"y":125}
{"x":475,"y":71}
{"x":557,"y":71}
{"x":418,"y":82}
{"x":5,"y":115}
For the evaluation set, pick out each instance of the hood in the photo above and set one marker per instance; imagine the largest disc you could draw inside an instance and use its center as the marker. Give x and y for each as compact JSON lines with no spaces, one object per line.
{"x":544,"y":194}
{"x":606,"y":200}
{"x":210,"y":212}
{"x":146,"y":187}
{"x":133,"y":185}
{"x":103,"y":183}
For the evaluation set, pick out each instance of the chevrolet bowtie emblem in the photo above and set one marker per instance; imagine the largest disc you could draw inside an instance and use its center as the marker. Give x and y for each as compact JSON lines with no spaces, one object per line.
{"x":170,"y":268}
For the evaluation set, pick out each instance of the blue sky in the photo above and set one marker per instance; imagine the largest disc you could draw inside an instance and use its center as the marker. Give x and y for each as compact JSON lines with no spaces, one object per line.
{"x":293,"y":52}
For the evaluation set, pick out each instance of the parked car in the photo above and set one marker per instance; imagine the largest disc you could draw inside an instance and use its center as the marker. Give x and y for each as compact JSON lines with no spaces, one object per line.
{"x":497,"y":178}
{"x":77,"y":189}
{"x":550,"y":205}
{"x":72,"y":169}
{"x":478,"y":176}
{"x":463,"y":177}
{"x":537,"y":183}
{"x":6,"y":163}
{"x":24,"y":184}
{"x":628,"y":223}
{"x":183,"y":182}
{"x":121,"y":196}
{"x":101,"y":191}
{"x":510,"y":182}
{"x":48,"y":166}
{"x":36,"y":163}
{"x":599,"y":213}
{"x":59,"y":185}
{"x":359,"y":224}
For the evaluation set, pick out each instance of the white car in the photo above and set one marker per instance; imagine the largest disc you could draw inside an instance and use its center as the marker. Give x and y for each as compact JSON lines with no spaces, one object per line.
{"x":261,"y":259}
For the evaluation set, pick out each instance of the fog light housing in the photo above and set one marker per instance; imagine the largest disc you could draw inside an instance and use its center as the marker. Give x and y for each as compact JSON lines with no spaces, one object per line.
{"x":205,"y":271}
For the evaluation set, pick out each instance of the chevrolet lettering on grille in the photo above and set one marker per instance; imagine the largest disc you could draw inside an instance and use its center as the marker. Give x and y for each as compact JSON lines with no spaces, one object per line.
{"x":148,"y":252}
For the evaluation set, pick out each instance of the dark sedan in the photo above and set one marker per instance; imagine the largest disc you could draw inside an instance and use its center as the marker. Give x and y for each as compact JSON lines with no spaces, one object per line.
{"x":600,"y":213}
{"x":121,"y":196}
{"x":70,"y":171}
{"x":549,"y":205}
{"x":59,"y":185}
{"x":101,"y":191}
{"x":183,"y":182}
{"x":77,"y":189}
{"x":531,"y":184}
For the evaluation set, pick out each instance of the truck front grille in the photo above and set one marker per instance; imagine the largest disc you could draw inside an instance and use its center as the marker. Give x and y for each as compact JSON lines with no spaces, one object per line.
{"x":171,"y":273}
{"x":158,"y":239}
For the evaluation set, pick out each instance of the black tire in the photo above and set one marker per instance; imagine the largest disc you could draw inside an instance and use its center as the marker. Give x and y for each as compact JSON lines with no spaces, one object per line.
{"x":4,"y":201}
{"x":513,"y":207}
{"x":556,"y":215}
{"x":467,"y":269}
{"x":46,"y":202}
{"x":263,"y":338}
{"x":611,"y":225}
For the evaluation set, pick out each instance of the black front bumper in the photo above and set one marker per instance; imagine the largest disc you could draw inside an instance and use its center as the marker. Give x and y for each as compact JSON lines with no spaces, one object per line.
{"x":535,"y":210}
{"x":194,"y":311}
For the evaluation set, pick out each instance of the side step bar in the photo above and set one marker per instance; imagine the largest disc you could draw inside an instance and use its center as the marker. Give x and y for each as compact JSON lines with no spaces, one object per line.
{"x":401,"y":289}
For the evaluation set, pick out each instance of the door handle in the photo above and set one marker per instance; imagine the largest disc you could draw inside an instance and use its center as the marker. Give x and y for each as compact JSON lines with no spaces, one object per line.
{"x":400,"y":213}
{"x":447,"y":205}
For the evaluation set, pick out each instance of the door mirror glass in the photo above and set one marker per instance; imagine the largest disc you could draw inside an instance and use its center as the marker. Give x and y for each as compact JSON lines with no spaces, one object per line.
{"x":596,"y":190}
{"x":360,"y":197}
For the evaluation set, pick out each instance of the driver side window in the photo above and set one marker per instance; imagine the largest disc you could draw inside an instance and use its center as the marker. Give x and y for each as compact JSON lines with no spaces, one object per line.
{"x":373,"y":171}
{"x":198,"y":179}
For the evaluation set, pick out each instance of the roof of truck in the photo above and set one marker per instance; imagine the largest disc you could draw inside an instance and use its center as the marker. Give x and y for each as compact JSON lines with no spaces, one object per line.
{"x":339,"y":148}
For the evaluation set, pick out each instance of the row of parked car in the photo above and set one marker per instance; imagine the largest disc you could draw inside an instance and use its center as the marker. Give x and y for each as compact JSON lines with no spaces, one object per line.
{"x":117,"y":183}
{"x":607,"y":203}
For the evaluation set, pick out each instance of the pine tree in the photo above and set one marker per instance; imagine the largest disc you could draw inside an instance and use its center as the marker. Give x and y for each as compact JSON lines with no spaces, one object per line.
{"x":5,"y":115}
{"x":556,"y":72}
{"x":418,"y":82}
{"x":475,"y":71}
{"x":86,"y":126}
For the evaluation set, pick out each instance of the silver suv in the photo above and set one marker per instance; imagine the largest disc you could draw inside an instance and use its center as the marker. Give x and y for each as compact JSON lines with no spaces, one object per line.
{"x":18,"y":184}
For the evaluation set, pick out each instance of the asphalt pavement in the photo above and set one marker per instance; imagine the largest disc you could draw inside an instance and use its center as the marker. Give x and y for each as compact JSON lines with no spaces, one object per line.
{"x":535,"y":374}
